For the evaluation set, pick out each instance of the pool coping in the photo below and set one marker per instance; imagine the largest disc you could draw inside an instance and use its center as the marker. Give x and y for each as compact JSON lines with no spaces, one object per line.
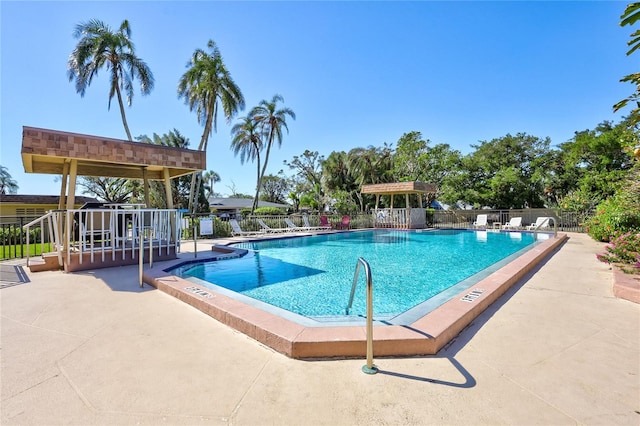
{"x":426,"y":336}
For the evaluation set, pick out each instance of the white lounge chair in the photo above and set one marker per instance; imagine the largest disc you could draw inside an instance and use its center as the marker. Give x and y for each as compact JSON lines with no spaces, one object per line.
{"x":269,"y":229}
{"x":292,"y":226}
{"x":514,"y":223}
{"x":541,"y":223}
{"x":237,"y":231}
{"x":481,"y":221}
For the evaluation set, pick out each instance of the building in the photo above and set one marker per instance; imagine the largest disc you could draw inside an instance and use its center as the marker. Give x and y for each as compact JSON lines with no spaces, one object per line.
{"x":14,"y":206}
{"x":231,"y":207}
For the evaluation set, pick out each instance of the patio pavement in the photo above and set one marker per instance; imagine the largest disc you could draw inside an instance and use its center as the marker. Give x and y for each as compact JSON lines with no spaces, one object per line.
{"x":94,"y":348}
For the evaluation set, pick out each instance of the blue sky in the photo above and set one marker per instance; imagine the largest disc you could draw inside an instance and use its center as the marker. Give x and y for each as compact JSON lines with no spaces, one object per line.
{"x":356,"y":74}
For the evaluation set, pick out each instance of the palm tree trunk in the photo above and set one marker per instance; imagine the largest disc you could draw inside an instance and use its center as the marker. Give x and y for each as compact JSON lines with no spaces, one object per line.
{"x":264,"y":167}
{"x":261,"y":175}
{"x":255,"y":200}
{"x":124,"y":118}
{"x":201,"y":147}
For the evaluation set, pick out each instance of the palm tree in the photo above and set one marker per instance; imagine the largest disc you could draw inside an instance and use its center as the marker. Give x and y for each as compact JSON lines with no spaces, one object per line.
{"x":7,"y":184}
{"x":247,"y":141}
{"x":205,"y":86}
{"x":370,"y":165}
{"x":100,"y":47}
{"x":210,"y":178}
{"x":630,"y":16}
{"x":271,"y":121}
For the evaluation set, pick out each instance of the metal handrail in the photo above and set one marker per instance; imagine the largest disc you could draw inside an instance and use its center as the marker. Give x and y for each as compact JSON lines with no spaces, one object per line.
{"x":53,"y":230}
{"x":369,"y":368}
{"x":546,"y":222}
{"x":108,"y":224}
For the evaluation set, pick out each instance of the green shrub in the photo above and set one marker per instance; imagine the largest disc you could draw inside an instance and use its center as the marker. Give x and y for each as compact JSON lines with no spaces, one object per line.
{"x":613,"y":216}
{"x":15,"y":235}
{"x":578,"y":201}
{"x":269,"y":211}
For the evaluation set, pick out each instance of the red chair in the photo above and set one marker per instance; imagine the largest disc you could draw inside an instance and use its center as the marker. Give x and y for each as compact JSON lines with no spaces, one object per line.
{"x":324,"y":222}
{"x":344,"y":224}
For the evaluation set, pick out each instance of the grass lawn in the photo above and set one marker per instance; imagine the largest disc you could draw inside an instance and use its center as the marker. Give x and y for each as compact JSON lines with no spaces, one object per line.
{"x":15,"y":251}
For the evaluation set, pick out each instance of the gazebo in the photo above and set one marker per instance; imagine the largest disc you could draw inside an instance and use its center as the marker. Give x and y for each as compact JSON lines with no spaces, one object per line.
{"x":101,"y":236}
{"x":408,"y":217}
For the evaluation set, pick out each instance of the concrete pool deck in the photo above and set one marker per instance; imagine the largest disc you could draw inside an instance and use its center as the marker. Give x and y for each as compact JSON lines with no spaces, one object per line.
{"x":94,"y":348}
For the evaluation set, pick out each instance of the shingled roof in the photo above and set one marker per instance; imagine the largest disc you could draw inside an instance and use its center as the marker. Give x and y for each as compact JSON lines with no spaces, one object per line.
{"x":40,"y":199}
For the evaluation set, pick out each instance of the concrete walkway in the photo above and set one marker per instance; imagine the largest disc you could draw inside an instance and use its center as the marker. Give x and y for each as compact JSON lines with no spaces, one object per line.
{"x":93,"y":348}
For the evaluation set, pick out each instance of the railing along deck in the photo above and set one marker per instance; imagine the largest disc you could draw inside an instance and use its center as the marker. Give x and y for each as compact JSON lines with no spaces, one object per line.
{"x":110,"y":235}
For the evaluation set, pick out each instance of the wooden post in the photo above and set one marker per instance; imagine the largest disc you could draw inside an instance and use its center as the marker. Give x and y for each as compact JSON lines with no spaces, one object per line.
{"x":71,"y":202}
{"x":73,"y":175}
{"x":173,"y":236}
{"x":146,"y":187}
{"x":167,"y":188}
{"x":63,"y":186}
{"x":407,"y":211}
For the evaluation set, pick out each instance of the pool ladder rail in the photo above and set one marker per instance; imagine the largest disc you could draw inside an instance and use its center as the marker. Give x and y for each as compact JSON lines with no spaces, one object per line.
{"x":369,"y":368}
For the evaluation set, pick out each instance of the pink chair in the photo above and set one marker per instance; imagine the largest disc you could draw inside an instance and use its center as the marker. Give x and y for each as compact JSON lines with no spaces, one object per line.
{"x":324,"y":222}
{"x":344,"y":224}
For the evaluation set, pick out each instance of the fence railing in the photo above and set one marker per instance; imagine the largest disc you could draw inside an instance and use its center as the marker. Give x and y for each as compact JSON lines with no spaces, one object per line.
{"x":112,"y":232}
{"x":566,"y":221}
{"x":42,"y":238}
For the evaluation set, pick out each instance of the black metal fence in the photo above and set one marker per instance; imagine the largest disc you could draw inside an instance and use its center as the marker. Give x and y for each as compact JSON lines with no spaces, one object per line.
{"x":13,"y":238}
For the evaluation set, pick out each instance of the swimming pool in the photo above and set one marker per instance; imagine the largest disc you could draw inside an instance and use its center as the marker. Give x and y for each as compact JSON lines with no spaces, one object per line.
{"x":310,"y":278}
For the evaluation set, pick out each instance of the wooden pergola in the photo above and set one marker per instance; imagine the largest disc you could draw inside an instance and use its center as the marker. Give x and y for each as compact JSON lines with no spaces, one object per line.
{"x":412,"y":218}
{"x":72,"y":155}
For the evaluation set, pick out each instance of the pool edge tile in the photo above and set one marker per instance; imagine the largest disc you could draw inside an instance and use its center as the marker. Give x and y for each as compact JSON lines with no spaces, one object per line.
{"x":425,"y":336}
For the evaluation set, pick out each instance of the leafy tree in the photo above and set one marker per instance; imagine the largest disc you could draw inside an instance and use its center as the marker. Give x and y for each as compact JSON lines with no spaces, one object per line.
{"x":274,"y":189}
{"x":503,"y":173}
{"x":415,"y":160}
{"x":180,"y":186}
{"x":336,"y":173}
{"x":440,"y":162}
{"x":109,"y":190}
{"x":336,"y":176}
{"x":7,"y":184}
{"x":409,"y":157}
{"x":271,"y":120}
{"x":297,"y":190}
{"x":343,"y":202}
{"x":206,"y":86}
{"x":308,"y":170}
{"x":98,"y":47}
{"x":594,"y":162}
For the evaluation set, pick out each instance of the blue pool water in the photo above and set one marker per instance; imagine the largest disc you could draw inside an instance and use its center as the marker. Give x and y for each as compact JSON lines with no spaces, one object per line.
{"x":312,"y":276}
